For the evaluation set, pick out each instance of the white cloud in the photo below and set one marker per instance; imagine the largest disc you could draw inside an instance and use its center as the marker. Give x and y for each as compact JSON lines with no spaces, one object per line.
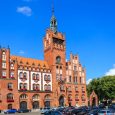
{"x":25,"y":10}
{"x":111,"y":71}
{"x":21,"y":52}
{"x":88,"y":81}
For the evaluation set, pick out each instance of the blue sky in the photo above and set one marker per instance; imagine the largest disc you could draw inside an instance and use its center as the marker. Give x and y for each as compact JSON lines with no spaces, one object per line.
{"x":89,"y":26}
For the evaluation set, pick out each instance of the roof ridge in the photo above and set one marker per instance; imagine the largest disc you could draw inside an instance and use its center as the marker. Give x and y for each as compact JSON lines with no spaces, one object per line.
{"x":27,"y":58}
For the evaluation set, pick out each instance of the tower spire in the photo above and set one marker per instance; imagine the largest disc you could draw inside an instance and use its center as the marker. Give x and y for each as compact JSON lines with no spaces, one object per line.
{"x":53,"y":22}
{"x":52,"y":7}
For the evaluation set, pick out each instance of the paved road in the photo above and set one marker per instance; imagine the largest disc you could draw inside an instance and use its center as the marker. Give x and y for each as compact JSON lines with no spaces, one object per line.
{"x":31,"y":113}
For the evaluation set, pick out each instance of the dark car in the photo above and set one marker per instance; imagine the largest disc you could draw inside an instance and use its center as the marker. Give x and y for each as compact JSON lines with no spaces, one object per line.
{"x":93,"y":112}
{"x":53,"y":112}
{"x":23,"y":110}
{"x":10,"y":111}
{"x":76,"y":111}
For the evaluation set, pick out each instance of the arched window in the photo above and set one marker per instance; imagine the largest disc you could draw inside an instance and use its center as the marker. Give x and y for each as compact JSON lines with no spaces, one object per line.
{"x":45,"y":87}
{"x":58,"y":59}
{"x":37,"y":86}
{"x":10,"y":97}
{"x":47,"y":96}
{"x":21,"y":86}
{"x":23,"y":96}
{"x":35,"y":97}
{"x":49,"y":87}
{"x":34,"y":86}
{"x":10,"y":86}
{"x":21,"y":75}
{"x":25,"y":75}
{"x":45,"y":77}
{"x":25,"y":86}
{"x":48,"y":77}
{"x":34,"y":76}
{"x":37,"y":76}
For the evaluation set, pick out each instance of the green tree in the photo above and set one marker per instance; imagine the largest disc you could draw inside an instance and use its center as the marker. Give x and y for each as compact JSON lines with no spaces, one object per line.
{"x":104,"y":87}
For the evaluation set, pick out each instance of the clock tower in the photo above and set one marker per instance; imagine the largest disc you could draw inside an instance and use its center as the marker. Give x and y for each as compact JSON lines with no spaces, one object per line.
{"x":54,"y":54}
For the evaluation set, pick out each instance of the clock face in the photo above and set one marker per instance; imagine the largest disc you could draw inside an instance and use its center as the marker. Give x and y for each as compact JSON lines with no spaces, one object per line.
{"x":58,"y":59}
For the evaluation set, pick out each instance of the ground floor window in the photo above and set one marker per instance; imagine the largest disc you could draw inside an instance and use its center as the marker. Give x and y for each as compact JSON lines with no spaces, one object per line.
{"x":47,"y":103}
{"x":23,"y":105}
{"x":35,"y":105}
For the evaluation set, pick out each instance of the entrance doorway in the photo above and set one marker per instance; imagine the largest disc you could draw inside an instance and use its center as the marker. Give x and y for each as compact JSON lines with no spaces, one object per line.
{"x":35,"y":105}
{"x":94,"y":102}
{"x":47,"y":103}
{"x":23,"y":105}
{"x":61,"y":101}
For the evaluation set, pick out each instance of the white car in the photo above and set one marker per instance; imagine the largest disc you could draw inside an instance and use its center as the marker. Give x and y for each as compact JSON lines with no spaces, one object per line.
{"x":106,"y":112}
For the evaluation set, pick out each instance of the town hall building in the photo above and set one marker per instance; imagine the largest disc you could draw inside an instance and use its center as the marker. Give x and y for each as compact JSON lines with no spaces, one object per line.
{"x":31,"y":83}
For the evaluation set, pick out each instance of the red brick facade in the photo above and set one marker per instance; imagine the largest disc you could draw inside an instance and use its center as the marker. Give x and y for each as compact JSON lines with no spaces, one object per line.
{"x":30,"y":83}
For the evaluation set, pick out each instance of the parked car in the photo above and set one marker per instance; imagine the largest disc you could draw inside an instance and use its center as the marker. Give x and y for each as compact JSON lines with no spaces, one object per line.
{"x":43,"y":110}
{"x":23,"y":110}
{"x":93,"y":112}
{"x":106,"y":112}
{"x":10,"y":111}
{"x":55,"y":112}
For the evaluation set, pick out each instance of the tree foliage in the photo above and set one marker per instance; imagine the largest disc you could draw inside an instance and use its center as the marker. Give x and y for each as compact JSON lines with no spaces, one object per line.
{"x":104,"y":87}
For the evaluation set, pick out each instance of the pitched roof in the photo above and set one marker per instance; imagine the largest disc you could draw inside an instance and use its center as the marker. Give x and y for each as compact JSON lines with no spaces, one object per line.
{"x":30,"y":62}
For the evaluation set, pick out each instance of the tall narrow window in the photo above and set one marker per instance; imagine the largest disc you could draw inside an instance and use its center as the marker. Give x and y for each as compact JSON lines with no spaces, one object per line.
{"x":4,"y":65}
{"x":21,"y":75}
{"x":3,"y":74}
{"x":69,"y":78}
{"x":12,"y":75}
{"x":25,"y":75}
{"x":3,"y":56}
{"x":10,"y":86}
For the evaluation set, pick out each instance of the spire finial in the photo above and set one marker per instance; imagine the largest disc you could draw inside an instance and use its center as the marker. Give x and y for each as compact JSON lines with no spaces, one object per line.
{"x":52,"y":7}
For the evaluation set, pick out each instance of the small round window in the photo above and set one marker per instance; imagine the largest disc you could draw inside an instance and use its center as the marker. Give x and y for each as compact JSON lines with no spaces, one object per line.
{"x":58,"y":59}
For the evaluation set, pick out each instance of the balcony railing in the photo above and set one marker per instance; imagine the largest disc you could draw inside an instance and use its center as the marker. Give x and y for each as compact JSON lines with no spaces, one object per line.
{"x":10,"y":100}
